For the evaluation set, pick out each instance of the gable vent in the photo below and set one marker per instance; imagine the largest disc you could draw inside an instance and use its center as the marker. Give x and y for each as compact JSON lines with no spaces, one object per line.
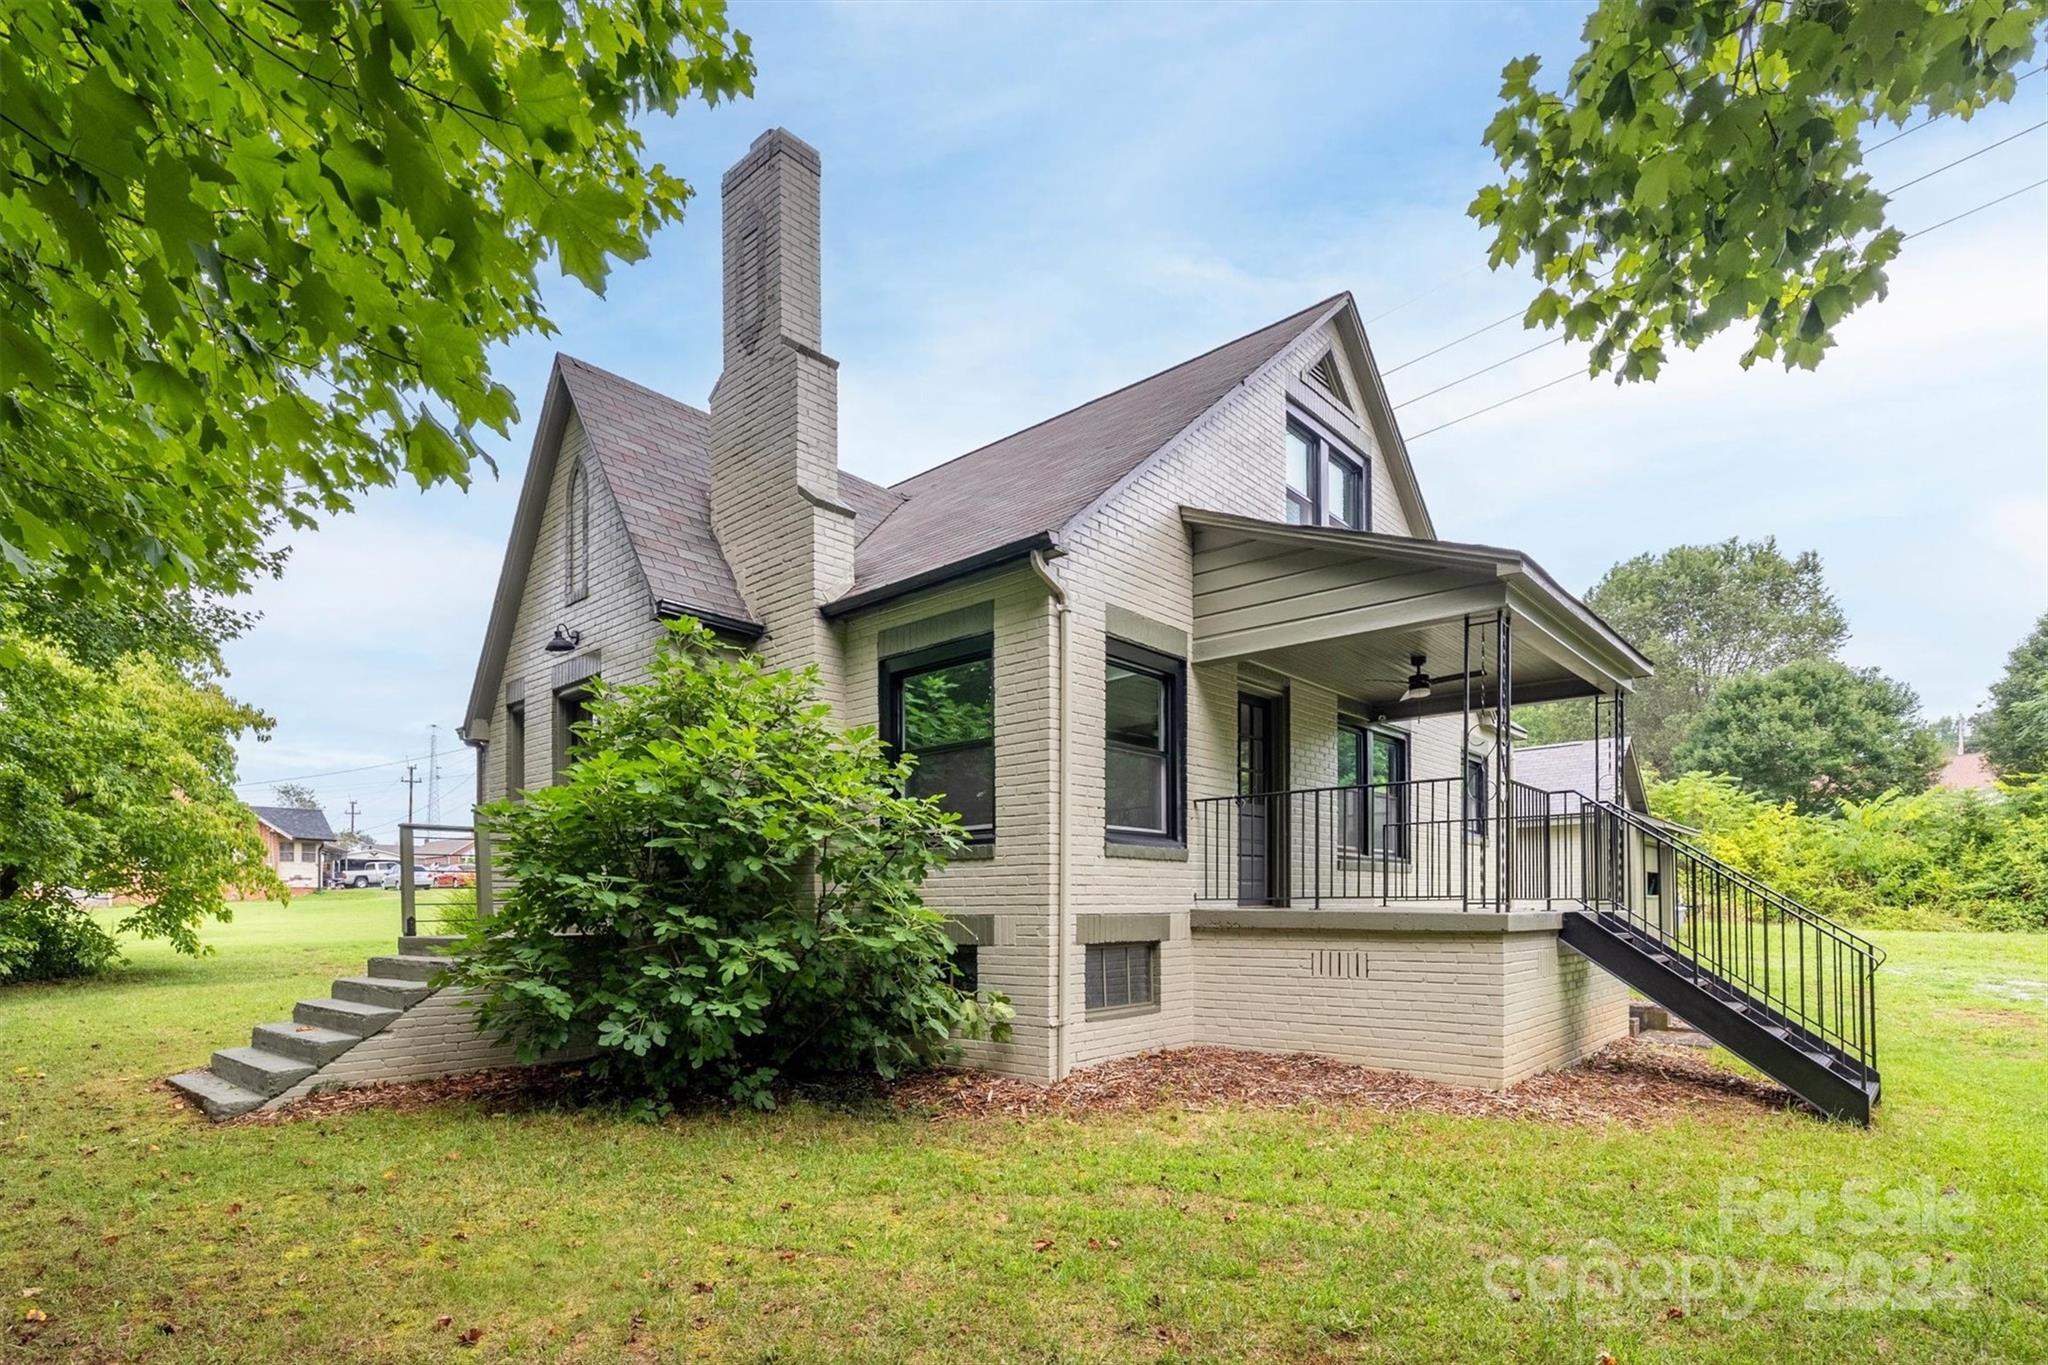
{"x":1338,"y":964}
{"x":1326,"y":374}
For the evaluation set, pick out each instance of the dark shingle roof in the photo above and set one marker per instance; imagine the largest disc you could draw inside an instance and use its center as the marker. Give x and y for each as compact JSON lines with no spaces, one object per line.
{"x":295,"y":822}
{"x":655,"y":455}
{"x":1040,"y":478}
{"x":1576,"y":766}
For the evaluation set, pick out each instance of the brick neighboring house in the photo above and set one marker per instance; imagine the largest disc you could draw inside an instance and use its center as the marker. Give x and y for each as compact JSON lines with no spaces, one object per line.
{"x":1232,"y":727}
{"x":296,"y":842}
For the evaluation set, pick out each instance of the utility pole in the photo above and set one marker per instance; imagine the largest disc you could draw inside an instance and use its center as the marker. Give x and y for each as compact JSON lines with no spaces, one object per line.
{"x":410,"y":782}
{"x":351,"y":815}
{"x":433,"y":773}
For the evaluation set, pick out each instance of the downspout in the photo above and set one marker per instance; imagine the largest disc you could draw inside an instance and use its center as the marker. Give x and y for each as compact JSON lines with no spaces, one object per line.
{"x":1061,"y":833}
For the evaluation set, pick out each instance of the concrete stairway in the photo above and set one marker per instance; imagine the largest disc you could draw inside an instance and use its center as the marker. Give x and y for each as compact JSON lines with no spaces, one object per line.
{"x":279,"y":1056}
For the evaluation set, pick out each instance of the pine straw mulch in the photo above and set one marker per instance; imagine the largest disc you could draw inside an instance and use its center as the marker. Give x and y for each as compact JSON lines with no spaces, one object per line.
{"x":1630,"y":1082}
{"x":1627,"y":1082}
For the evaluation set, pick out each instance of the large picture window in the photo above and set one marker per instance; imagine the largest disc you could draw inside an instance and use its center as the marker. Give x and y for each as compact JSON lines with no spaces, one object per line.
{"x":1143,"y":708}
{"x":1326,"y":483}
{"x":1373,"y":767}
{"x":939,"y":706}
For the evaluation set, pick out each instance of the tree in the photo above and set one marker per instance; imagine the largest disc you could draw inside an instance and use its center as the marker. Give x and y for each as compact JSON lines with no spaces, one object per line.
{"x":1704,"y":614}
{"x":116,"y":781}
{"x":296,"y":795}
{"x":1814,"y":733}
{"x":722,"y":891}
{"x":1702,"y":164}
{"x":253,"y":256}
{"x":2013,"y":730}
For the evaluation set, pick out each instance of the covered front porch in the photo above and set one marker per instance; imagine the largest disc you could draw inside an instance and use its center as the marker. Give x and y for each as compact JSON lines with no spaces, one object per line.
{"x":1411,"y":797}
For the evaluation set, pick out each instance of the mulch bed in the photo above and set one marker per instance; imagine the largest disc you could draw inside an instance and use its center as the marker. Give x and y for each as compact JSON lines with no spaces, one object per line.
{"x":1630,"y":1082}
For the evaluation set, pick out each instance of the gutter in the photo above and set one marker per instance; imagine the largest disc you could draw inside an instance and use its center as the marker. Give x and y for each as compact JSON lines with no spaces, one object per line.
{"x":1062,"y":832}
{"x":746,"y":631}
{"x":1033,"y":544}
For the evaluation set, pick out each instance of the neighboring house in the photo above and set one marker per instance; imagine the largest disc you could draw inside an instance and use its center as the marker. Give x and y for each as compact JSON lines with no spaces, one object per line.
{"x":445,"y":852}
{"x":296,"y":842}
{"x":1231,"y":727}
{"x":1967,"y":772}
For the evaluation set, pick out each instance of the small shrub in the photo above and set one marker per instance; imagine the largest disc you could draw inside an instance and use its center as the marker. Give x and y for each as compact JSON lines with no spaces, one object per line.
{"x":722,"y":892}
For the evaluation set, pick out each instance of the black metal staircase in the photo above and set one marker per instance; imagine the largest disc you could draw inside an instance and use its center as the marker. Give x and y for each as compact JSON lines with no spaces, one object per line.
{"x":1775,"y":982}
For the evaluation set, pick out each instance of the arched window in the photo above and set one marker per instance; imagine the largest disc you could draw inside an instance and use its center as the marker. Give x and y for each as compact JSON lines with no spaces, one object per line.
{"x":576,"y":537}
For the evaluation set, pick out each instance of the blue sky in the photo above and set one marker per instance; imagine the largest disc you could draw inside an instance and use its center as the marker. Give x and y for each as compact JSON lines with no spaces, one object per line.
{"x":1026,"y":206}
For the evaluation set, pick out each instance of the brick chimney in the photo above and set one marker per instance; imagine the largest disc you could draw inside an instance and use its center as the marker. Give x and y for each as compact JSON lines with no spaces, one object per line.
{"x":775,"y":410}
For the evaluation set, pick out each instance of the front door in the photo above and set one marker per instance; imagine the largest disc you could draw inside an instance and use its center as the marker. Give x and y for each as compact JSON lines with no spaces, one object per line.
{"x":1258,"y":823}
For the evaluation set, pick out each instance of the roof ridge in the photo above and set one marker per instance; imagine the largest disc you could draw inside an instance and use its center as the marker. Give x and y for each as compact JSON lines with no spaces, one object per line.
{"x":1125,"y":388}
{"x":580,"y":363}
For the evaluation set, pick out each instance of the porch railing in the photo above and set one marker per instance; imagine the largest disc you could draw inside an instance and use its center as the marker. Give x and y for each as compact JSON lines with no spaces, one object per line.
{"x":1394,"y":841}
{"x":434,"y":911}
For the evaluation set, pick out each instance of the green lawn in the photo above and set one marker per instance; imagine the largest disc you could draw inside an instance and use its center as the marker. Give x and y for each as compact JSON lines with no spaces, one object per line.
{"x":813,"y":1233}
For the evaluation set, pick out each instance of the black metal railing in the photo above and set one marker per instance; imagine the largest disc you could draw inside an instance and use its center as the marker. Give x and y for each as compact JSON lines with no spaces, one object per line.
{"x":1393,"y":841}
{"x":1434,"y":840}
{"x":1720,"y":925}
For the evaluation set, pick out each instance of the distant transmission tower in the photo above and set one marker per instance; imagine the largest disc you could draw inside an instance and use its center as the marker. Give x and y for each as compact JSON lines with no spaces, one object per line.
{"x":433,"y":774}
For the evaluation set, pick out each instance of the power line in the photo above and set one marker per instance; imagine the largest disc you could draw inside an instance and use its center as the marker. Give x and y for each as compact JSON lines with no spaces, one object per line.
{"x":1936,"y":118}
{"x":1476,"y":373}
{"x":1890,"y":190}
{"x":332,"y":772}
{"x":1552,"y":383}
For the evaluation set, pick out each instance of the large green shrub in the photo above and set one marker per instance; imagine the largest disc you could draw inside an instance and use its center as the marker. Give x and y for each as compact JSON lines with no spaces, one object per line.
{"x":1933,"y":859}
{"x":722,"y":892}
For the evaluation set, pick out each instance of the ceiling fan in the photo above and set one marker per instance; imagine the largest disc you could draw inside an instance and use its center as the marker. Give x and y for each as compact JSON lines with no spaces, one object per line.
{"x":1420,"y":682}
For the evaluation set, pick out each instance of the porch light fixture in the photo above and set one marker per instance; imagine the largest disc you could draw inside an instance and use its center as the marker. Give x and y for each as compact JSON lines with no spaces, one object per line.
{"x":563,"y":641}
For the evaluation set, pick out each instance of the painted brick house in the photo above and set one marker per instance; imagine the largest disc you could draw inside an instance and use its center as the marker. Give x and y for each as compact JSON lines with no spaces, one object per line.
{"x":1231,"y":726}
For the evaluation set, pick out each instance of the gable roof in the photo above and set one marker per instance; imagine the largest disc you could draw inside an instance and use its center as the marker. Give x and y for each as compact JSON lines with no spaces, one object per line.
{"x":654,"y":453}
{"x":296,"y":822}
{"x":1581,"y":766}
{"x":1033,"y":483}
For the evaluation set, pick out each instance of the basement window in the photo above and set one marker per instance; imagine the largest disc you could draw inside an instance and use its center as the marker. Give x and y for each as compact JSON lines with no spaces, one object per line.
{"x":939,"y":707}
{"x":967,"y":967}
{"x":1122,"y":978}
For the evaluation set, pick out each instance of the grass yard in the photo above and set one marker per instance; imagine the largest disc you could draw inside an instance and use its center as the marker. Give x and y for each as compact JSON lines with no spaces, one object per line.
{"x":136,"y":1230}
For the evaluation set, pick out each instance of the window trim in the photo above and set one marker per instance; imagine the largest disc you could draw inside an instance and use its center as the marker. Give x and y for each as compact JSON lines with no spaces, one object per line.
{"x":1326,"y":445}
{"x":1369,"y":730}
{"x":1174,"y":672}
{"x":896,"y":667}
{"x":1154,"y":985}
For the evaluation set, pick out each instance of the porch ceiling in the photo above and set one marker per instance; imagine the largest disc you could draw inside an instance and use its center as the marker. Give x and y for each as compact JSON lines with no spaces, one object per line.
{"x":1346,"y":609}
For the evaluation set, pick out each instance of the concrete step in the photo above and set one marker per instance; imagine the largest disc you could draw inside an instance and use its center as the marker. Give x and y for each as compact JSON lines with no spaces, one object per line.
{"x":220,"y":1099}
{"x":266,"y":1073}
{"x":389,"y":992}
{"x":428,"y":945}
{"x":409,"y":967}
{"x":344,"y":1016}
{"x":307,"y":1042}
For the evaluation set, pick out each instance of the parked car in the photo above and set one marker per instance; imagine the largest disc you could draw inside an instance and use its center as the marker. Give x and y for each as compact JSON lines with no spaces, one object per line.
{"x":393,"y":877}
{"x":454,"y":876}
{"x":363,"y":869}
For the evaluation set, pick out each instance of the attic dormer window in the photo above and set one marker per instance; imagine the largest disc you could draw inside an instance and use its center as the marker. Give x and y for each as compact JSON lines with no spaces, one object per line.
{"x":576,"y":535}
{"x":1331,"y":380}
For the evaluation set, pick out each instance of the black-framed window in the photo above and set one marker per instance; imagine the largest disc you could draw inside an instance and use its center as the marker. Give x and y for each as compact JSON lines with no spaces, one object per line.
{"x":1372,"y":765}
{"x":967,"y":967}
{"x":572,"y":708}
{"x":939,"y":706}
{"x":515,"y":750}
{"x":1122,"y":976}
{"x":1475,"y":796}
{"x":1326,"y":480}
{"x":1145,"y":759}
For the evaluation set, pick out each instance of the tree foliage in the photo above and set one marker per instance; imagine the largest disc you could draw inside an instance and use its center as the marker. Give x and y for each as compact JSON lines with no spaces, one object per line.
{"x":1704,"y":614}
{"x":2013,"y":729}
{"x":253,"y":255}
{"x":1702,"y":164}
{"x":1938,"y":859}
{"x":115,"y":781}
{"x":1813,"y":734}
{"x":297,"y":795}
{"x":722,"y":891}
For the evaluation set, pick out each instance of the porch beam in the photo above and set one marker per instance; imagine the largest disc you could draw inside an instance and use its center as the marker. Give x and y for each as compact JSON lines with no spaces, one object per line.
{"x":1431,"y":609}
{"x":1486,"y":696}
